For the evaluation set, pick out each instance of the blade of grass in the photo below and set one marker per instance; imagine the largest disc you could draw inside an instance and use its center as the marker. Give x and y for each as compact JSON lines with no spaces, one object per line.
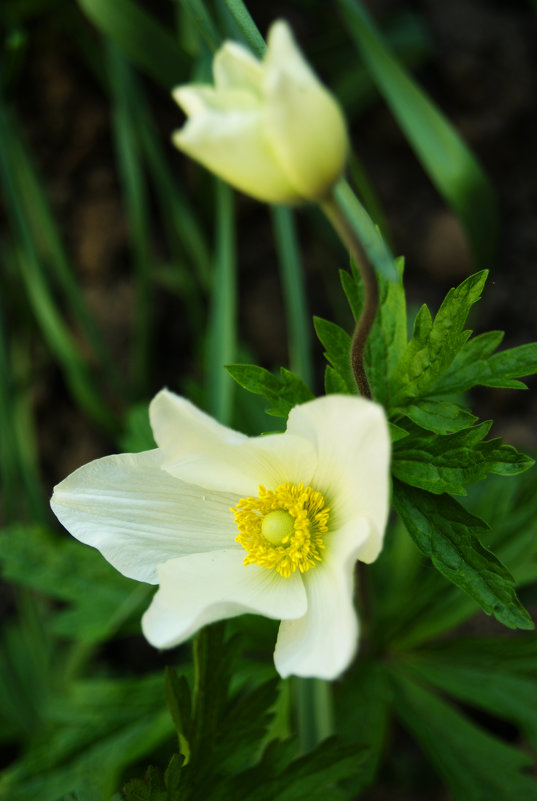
{"x":244,"y":20}
{"x":143,"y":40}
{"x":60,"y":341}
{"x":294,"y":292}
{"x":447,"y":160}
{"x":135,"y":195}
{"x":221,"y":336}
{"x":8,"y":451}
{"x":203,"y":21}
{"x":33,"y":221}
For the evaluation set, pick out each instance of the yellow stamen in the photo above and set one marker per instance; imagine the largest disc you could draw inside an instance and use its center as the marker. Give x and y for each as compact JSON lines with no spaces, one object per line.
{"x":283,"y":528}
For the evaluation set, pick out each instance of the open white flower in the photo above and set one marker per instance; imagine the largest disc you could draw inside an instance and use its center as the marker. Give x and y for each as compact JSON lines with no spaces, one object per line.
{"x":269,"y":127}
{"x":228,"y":524}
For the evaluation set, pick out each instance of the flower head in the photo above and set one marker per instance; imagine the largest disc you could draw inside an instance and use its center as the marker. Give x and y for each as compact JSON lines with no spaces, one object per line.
{"x":268,"y":127}
{"x":228,"y":524}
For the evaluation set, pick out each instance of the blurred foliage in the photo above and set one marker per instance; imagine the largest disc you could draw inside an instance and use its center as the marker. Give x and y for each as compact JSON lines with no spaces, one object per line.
{"x":76,"y":724}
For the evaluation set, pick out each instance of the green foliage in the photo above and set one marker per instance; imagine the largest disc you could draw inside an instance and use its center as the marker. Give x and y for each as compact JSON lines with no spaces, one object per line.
{"x":448,"y":534}
{"x":283,"y":392}
{"x":475,"y":765}
{"x":446,"y":463}
{"x":99,"y":599}
{"x":220,"y":734}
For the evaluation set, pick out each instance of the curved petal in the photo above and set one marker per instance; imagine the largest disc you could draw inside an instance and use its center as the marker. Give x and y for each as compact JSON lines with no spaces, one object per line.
{"x":323,"y":642}
{"x":180,"y":428}
{"x":138,"y":516}
{"x":232,"y":143}
{"x":199,"y":589}
{"x":304,"y":122}
{"x":234,"y":67}
{"x":201,"y":451}
{"x":352,"y":441}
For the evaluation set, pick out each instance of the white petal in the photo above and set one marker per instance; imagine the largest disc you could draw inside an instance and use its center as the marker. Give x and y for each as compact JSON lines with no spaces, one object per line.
{"x":233,"y":144}
{"x":196,"y":99}
{"x":304,"y":122}
{"x":323,"y":642}
{"x":234,"y":67}
{"x":199,"y":589}
{"x":201,"y":451}
{"x":181,"y":428}
{"x":351,"y":438}
{"x":137,"y":515}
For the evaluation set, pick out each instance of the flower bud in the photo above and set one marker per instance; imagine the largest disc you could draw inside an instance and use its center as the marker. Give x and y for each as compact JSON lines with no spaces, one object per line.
{"x":269,"y":128}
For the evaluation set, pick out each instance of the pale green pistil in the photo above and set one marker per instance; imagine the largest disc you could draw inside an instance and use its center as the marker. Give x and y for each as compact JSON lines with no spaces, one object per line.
{"x":277,"y":526}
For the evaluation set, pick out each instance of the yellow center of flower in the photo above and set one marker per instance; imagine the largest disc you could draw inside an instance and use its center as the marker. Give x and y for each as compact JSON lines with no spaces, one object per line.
{"x":283,"y":528}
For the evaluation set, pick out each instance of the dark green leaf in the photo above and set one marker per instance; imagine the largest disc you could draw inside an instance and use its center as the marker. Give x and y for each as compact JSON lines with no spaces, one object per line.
{"x":179,"y":704}
{"x":150,"y":788}
{"x":448,"y":534}
{"x":434,"y":344}
{"x":475,"y":366}
{"x":439,"y":416}
{"x":447,"y":463}
{"x":475,"y":765}
{"x":284,"y":392}
{"x":491,"y":686}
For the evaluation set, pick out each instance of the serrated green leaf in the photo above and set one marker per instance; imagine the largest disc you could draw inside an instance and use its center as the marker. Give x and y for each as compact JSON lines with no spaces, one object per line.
{"x":475,"y":765}
{"x":446,"y":463}
{"x":284,"y":392}
{"x":476,"y":365}
{"x":439,"y":416}
{"x":448,"y":534}
{"x":337,"y":344}
{"x":434,"y":344}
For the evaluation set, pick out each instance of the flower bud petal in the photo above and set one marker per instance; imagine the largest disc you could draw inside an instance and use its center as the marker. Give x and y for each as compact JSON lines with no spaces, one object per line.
{"x":304,"y":122}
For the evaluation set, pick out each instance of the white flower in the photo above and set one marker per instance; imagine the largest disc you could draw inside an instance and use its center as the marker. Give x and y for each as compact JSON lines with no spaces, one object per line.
{"x":228,"y":524}
{"x":269,"y":127}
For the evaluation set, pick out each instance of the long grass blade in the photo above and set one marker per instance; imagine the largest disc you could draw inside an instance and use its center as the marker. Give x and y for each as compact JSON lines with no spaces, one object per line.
{"x":448,"y":161}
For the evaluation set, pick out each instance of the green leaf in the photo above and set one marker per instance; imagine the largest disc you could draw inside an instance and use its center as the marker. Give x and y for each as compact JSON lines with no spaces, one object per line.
{"x":475,"y":765}
{"x":446,"y":158}
{"x":434,"y":344}
{"x":439,"y":416}
{"x":337,"y":344}
{"x":312,"y":777}
{"x":490,"y":686}
{"x":333,"y":382}
{"x":447,"y":463}
{"x":476,"y":365}
{"x":448,"y":534}
{"x":150,"y":788}
{"x":179,"y":704}
{"x":141,"y":37}
{"x":284,"y":392}
{"x":100,"y":599}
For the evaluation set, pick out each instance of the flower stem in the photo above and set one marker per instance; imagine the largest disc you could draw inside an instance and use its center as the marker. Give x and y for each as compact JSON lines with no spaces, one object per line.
{"x":313,"y":702}
{"x":345,"y":230}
